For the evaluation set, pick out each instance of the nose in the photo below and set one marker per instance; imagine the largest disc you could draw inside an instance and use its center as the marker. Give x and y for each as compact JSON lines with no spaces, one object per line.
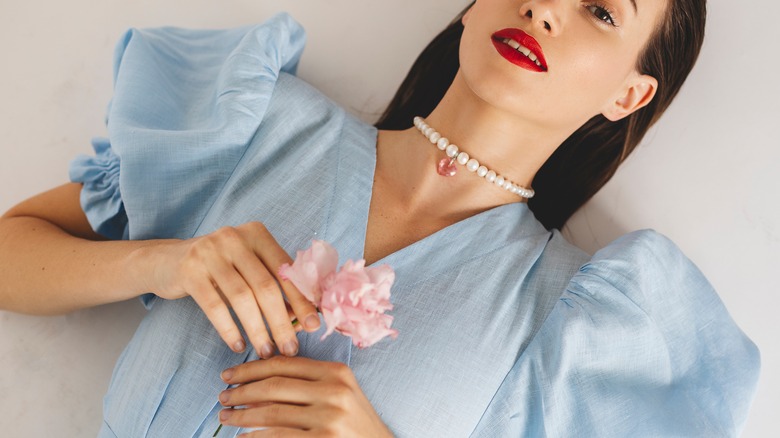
{"x":544,"y":15}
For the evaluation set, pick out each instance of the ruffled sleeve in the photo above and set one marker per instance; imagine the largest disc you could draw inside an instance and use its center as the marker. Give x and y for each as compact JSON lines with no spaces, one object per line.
{"x":639,"y":344}
{"x":100,"y":197}
{"x":186,"y":105}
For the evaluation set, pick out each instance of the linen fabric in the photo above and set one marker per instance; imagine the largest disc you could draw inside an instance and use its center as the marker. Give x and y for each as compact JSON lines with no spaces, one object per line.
{"x":505,"y":329}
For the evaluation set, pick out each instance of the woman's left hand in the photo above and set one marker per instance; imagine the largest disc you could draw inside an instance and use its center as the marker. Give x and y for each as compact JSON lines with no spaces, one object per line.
{"x":297,"y":396}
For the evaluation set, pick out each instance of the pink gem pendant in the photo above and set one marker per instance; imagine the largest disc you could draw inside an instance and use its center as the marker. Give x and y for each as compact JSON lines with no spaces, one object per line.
{"x":447,"y":167}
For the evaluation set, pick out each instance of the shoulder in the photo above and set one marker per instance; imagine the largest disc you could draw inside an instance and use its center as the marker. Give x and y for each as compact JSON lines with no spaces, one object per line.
{"x":639,"y":324}
{"x":643,"y":280}
{"x":638,"y":344}
{"x":280,"y":35}
{"x":646,"y":271}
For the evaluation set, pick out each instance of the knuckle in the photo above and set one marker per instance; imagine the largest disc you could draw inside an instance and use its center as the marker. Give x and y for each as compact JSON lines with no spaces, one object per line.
{"x":339,"y":396}
{"x":211,"y":305}
{"x":273,"y":411}
{"x":258,"y":226}
{"x":341,"y":371}
{"x":330,"y":432}
{"x":273,"y":384}
{"x":279,"y":361}
{"x":258,"y":333}
{"x":254,"y":227}
{"x":283,"y":329}
{"x":342,"y":394}
{"x":239,"y":293}
{"x":226,"y":235}
{"x":267,"y":286}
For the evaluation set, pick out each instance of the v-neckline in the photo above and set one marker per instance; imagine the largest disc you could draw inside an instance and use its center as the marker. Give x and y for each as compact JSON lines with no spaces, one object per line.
{"x":500,"y":222}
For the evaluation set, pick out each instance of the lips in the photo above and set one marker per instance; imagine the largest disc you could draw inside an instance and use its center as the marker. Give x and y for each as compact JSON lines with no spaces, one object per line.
{"x":518,"y":57}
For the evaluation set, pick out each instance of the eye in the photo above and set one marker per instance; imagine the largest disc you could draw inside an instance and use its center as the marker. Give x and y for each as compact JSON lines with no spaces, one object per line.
{"x":602,"y":14}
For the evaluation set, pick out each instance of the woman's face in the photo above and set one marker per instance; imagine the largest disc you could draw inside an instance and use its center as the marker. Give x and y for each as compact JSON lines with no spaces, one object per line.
{"x":590,"y":49}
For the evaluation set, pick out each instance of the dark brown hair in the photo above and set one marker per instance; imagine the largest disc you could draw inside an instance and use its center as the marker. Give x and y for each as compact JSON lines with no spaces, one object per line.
{"x":590,"y":156}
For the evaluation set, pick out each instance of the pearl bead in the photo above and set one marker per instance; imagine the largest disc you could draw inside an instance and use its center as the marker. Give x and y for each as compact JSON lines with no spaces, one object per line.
{"x":452,"y":151}
{"x":471,"y":164}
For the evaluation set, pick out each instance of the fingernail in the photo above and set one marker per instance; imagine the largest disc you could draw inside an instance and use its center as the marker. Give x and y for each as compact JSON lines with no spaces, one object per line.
{"x":224,"y":396}
{"x":290,"y":348}
{"x":225,"y":414}
{"x":312,"y":322}
{"x":267,"y":351}
{"x":239,"y":346}
{"x":227,"y":374}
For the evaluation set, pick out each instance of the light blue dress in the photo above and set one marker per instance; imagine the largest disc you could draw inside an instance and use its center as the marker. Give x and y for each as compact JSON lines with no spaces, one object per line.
{"x":505,"y":328}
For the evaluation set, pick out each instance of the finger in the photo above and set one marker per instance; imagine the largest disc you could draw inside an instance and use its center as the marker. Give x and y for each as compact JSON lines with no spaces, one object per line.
{"x":283,"y":432}
{"x":266,"y":293}
{"x":274,"y":415}
{"x":244,"y":304}
{"x":294,"y":367}
{"x":273,"y":389}
{"x":210,"y":301}
{"x":274,"y":256}
{"x":268,"y":296}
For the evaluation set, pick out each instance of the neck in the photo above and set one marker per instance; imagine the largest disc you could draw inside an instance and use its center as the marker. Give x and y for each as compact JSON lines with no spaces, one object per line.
{"x":513,"y":147}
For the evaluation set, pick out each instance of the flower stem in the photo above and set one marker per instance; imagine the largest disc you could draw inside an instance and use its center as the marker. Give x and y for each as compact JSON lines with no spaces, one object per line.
{"x":218,"y":429}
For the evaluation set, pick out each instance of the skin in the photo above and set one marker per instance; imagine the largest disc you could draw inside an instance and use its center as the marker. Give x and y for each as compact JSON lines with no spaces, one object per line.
{"x":509,"y":118}
{"x":296,"y":396}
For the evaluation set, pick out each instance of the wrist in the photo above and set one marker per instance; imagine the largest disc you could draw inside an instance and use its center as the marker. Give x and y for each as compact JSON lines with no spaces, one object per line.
{"x":143,"y":262}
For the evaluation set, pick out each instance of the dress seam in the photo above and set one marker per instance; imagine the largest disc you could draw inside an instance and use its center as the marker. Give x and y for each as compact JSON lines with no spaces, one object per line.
{"x":337,"y":177}
{"x":521,"y":356}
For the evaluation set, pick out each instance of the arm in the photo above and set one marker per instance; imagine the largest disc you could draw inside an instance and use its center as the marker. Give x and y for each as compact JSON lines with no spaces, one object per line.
{"x":52,"y":262}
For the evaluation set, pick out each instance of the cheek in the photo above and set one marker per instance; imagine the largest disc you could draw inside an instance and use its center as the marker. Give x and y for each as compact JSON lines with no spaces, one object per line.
{"x":597,"y":76}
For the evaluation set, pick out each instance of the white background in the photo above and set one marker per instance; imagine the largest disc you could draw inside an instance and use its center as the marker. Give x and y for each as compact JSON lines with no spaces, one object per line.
{"x":706,"y":175}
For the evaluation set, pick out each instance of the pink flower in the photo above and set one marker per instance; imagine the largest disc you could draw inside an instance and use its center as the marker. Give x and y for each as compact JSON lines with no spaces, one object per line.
{"x":309,"y":267}
{"x":352,"y":300}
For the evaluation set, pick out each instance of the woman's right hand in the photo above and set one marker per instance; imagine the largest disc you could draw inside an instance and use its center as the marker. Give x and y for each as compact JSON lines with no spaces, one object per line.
{"x":236,"y":267}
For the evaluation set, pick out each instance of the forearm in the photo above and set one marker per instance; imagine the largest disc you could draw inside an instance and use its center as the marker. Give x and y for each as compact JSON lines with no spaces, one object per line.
{"x":45,"y":270}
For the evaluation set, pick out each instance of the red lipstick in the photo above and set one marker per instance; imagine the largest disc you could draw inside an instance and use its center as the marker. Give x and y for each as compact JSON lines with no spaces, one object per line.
{"x":516,"y":57}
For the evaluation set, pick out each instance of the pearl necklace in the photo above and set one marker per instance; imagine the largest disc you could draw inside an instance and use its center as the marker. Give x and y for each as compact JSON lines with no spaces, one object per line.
{"x":446,"y":166}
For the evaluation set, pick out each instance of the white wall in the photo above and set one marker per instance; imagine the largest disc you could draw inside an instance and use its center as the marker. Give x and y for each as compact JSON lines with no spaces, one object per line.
{"x":707,"y":175}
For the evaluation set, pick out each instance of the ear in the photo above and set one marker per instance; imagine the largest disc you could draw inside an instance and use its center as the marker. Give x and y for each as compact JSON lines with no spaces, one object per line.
{"x":639,"y":92}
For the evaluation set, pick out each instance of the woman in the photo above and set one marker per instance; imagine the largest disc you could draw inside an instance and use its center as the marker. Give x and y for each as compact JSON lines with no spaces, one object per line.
{"x":505,"y":328}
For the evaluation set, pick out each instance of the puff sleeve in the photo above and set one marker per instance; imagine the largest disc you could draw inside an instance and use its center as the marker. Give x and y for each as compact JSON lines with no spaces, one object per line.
{"x":186,"y":105}
{"x":638,"y":345}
